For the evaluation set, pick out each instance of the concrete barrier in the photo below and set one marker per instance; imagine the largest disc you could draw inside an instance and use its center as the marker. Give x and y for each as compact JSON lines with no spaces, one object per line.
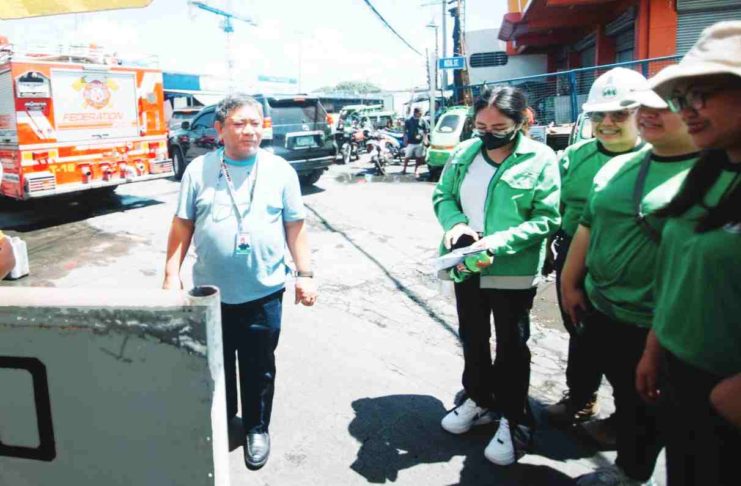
{"x":107,"y":387}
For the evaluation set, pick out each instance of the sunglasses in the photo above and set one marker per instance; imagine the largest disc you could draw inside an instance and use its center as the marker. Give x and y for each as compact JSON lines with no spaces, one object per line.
{"x":694,"y":99}
{"x":616,"y":116}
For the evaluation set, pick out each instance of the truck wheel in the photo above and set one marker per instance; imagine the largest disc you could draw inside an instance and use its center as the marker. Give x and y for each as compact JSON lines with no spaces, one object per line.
{"x":178,"y":162}
{"x":310,"y":178}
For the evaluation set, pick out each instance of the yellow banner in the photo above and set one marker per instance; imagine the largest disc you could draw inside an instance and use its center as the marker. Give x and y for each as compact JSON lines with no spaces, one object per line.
{"x":18,"y":9}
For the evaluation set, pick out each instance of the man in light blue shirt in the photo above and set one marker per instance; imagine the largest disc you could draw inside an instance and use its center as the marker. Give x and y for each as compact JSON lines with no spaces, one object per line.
{"x":241,"y":206}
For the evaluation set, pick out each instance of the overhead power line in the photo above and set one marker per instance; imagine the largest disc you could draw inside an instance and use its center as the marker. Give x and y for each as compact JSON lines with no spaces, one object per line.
{"x":390,"y":28}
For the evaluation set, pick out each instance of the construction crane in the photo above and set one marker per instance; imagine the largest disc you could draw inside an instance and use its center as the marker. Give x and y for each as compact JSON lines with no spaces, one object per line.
{"x":228,"y":29}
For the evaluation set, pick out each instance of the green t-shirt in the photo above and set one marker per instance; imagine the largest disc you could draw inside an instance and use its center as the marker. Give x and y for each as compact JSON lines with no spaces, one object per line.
{"x":698,"y":287}
{"x":579,"y":164}
{"x":622,"y":255}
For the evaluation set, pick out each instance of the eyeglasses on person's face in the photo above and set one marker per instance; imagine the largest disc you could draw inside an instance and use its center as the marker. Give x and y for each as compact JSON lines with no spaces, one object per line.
{"x":694,"y":98}
{"x":616,"y":116}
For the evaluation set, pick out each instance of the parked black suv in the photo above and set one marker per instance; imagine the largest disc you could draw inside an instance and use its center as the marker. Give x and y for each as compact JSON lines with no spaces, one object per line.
{"x":295,"y":128}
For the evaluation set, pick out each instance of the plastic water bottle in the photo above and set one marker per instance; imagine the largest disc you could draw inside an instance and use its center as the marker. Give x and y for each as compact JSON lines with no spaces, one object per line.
{"x":20,"y":252}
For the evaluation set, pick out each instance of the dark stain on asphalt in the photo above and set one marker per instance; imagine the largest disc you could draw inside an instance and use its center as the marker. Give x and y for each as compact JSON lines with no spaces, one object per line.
{"x":59,"y":239}
{"x":409,"y":293}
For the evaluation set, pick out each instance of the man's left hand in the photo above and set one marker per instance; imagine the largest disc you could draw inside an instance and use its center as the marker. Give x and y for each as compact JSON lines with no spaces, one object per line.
{"x":306,"y":292}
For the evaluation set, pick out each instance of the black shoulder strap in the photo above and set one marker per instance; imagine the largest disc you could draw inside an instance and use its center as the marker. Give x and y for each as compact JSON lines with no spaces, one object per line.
{"x":640,"y":184}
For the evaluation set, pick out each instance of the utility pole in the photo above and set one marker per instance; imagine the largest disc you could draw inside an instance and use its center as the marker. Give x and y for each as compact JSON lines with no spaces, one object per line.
{"x":444,"y":20}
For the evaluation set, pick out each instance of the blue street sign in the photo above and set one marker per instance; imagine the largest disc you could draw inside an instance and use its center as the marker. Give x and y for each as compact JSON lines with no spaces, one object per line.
{"x":458,"y":62}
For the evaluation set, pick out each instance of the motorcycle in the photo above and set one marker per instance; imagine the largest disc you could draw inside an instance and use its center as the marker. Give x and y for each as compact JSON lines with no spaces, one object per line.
{"x":344,"y":145}
{"x":380,"y":148}
{"x":394,"y":142}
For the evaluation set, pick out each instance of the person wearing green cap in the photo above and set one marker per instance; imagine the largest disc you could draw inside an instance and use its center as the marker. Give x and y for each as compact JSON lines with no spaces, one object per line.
{"x":499,"y":192}
{"x":696,"y":327}
{"x":607,"y":282}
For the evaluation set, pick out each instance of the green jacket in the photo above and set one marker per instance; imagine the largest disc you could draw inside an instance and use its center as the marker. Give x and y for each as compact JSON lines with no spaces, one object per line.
{"x":522,"y":209}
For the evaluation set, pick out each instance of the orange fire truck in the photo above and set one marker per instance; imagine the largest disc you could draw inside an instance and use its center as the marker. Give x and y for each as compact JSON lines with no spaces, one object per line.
{"x":78,"y":120}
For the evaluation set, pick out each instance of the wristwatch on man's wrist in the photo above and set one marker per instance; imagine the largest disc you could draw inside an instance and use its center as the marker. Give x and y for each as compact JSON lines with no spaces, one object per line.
{"x":304,"y":273}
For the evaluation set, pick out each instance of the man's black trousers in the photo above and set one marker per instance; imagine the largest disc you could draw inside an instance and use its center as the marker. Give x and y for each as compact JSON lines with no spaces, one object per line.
{"x":251,"y":331}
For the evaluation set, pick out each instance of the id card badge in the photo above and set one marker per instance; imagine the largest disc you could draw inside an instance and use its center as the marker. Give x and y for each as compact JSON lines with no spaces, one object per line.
{"x":243,"y":243}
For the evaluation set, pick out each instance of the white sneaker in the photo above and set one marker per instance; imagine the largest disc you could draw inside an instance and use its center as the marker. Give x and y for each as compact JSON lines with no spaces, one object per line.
{"x":611,"y":476}
{"x":465,"y":416}
{"x":504,"y":448}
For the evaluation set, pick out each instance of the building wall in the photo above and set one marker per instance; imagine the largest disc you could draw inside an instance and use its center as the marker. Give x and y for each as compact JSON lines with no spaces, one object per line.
{"x":656,"y":29}
{"x":479,"y":41}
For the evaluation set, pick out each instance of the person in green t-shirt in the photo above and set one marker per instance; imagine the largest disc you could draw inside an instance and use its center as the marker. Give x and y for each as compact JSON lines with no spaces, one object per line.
{"x":608,"y":277}
{"x":696,"y":327}
{"x":614,"y":126}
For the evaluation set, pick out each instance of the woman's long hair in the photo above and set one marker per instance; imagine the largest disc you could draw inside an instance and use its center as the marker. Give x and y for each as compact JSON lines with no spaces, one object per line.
{"x":699,"y":181}
{"x":509,"y":100}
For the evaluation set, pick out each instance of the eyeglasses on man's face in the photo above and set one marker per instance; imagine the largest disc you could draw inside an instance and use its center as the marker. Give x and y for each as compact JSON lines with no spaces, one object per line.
{"x":616,"y":116}
{"x":694,"y":98}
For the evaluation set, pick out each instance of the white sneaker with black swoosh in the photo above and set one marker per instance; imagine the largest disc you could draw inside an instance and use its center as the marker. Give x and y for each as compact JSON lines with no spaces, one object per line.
{"x":462,"y":418}
{"x":509,"y":443}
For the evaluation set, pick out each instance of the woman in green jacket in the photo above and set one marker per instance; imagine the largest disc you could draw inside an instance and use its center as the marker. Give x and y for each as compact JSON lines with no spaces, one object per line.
{"x":500,"y":191}
{"x":696,"y":326}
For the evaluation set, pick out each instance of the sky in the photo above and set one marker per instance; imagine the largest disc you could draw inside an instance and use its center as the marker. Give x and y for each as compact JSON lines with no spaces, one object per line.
{"x":317,"y":42}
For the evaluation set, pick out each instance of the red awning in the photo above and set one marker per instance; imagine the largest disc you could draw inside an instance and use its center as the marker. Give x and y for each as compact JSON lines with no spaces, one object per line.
{"x":552,"y":22}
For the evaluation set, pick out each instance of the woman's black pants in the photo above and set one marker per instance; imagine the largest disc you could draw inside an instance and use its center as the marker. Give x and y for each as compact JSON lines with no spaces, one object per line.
{"x":502,"y":384}
{"x":702,"y":448}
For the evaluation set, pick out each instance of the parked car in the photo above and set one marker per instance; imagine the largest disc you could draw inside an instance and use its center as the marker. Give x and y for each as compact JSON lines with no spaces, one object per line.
{"x":295,"y":128}
{"x":183,"y":114}
{"x":454,"y":126}
{"x":379,"y":119}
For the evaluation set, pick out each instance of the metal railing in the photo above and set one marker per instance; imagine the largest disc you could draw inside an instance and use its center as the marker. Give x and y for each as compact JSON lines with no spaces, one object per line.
{"x":558,"y":97}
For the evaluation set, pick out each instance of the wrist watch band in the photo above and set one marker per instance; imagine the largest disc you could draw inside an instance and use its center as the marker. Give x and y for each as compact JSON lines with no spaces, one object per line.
{"x":304,"y":273}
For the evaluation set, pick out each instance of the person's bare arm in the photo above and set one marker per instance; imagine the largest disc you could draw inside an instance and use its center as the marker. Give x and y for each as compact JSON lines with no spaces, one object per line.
{"x":7,"y":258}
{"x":572,"y":277}
{"x":647,"y":371}
{"x":726,"y":399}
{"x":181,"y":233}
{"x":298,"y":245}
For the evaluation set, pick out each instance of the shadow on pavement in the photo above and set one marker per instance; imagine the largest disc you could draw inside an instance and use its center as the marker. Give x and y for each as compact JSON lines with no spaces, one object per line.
{"x":398,"y":432}
{"x":310,"y":190}
{"x":35,"y":214}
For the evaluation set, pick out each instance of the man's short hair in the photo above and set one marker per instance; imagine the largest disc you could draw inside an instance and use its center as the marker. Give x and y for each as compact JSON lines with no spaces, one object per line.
{"x":234,"y":102}
{"x":417,"y":110}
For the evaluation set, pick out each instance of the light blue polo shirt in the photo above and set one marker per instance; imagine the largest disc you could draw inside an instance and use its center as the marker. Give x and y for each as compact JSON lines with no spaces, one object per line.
{"x":204,"y":199}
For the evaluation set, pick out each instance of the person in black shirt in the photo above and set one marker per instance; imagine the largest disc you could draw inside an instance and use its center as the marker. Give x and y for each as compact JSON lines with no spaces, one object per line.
{"x":415,"y":134}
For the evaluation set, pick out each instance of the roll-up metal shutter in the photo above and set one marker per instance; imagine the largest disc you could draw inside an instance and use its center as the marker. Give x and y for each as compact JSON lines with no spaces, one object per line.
{"x":586,"y":42}
{"x":624,"y":22}
{"x":695,"y":15}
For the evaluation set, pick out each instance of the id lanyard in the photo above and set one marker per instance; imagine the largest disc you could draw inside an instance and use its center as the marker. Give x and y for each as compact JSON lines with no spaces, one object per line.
{"x":232,"y":192}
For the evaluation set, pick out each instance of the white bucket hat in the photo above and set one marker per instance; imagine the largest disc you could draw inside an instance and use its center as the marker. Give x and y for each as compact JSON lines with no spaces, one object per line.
{"x":610,"y":91}
{"x":718,"y":51}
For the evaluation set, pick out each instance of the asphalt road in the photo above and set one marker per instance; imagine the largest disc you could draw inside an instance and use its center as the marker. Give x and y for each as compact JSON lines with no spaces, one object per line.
{"x":365,"y":376}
